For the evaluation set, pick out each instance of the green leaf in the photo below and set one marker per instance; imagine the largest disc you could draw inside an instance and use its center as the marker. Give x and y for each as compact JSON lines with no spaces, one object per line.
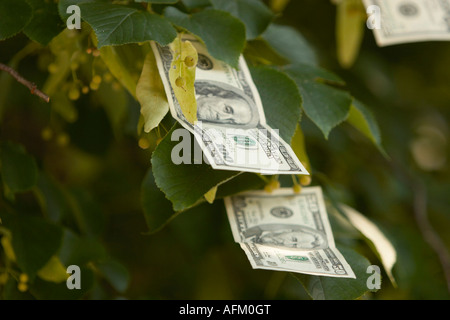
{"x":350,"y":25}
{"x":182,"y":77}
{"x":14,"y":16}
{"x":158,"y":1}
{"x":64,"y":4}
{"x":223,"y":35}
{"x":34,"y":241}
{"x":77,"y":250}
{"x":151,"y":94}
{"x":54,"y":200}
{"x":329,"y":288}
{"x":289,"y":43}
{"x":243,"y":182}
{"x":185,"y":184}
{"x":115,"y":273}
{"x":18,"y":168}
{"x":280,"y":98}
{"x":88,"y":213}
{"x":254,"y":13}
{"x":46,"y":22}
{"x":157,"y":208}
{"x":362,"y":119}
{"x":53,"y":271}
{"x":116,"y":24}
{"x":325,"y":105}
{"x":260,"y":51}
{"x":194,"y":4}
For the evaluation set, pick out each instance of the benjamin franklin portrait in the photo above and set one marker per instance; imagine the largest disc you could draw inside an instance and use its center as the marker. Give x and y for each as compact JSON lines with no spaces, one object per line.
{"x":224,"y":104}
{"x":290,"y":236}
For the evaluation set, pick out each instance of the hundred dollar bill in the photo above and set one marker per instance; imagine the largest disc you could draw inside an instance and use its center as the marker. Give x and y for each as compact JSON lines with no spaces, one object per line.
{"x":286,"y":231}
{"x":232,"y":129}
{"x":411,"y":20}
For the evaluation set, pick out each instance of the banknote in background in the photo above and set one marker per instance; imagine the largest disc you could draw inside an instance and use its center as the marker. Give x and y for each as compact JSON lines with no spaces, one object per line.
{"x":411,"y":20}
{"x":232,"y":129}
{"x":286,"y":231}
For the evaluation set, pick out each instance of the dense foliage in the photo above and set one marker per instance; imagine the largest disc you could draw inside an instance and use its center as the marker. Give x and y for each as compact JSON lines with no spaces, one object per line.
{"x":87,"y":179}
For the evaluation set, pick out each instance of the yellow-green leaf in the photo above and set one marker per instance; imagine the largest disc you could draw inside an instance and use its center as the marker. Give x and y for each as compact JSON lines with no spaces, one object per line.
{"x":210,"y":196}
{"x":63,"y":47}
{"x":182,"y":77}
{"x":350,"y":25}
{"x":298,"y":145}
{"x":114,"y":101}
{"x":151,"y":95}
{"x":53,"y":271}
{"x":115,"y":59}
{"x":7,"y":247}
{"x":62,"y":105}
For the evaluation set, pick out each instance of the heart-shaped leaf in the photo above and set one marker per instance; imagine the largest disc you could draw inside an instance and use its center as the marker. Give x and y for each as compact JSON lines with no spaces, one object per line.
{"x":324,"y":104}
{"x":223,"y":34}
{"x":116,"y":24}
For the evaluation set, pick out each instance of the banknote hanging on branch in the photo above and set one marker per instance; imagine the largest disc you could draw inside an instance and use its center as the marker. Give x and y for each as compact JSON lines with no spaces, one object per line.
{"x":286,"y":231}
{"x":403,"y":21}
{"x":229,"y":125}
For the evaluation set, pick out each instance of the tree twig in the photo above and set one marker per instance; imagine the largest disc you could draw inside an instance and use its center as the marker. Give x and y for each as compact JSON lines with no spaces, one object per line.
{"x":428,"y":232}
{"x":30,"y":85}
{"x":420,"y":211}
